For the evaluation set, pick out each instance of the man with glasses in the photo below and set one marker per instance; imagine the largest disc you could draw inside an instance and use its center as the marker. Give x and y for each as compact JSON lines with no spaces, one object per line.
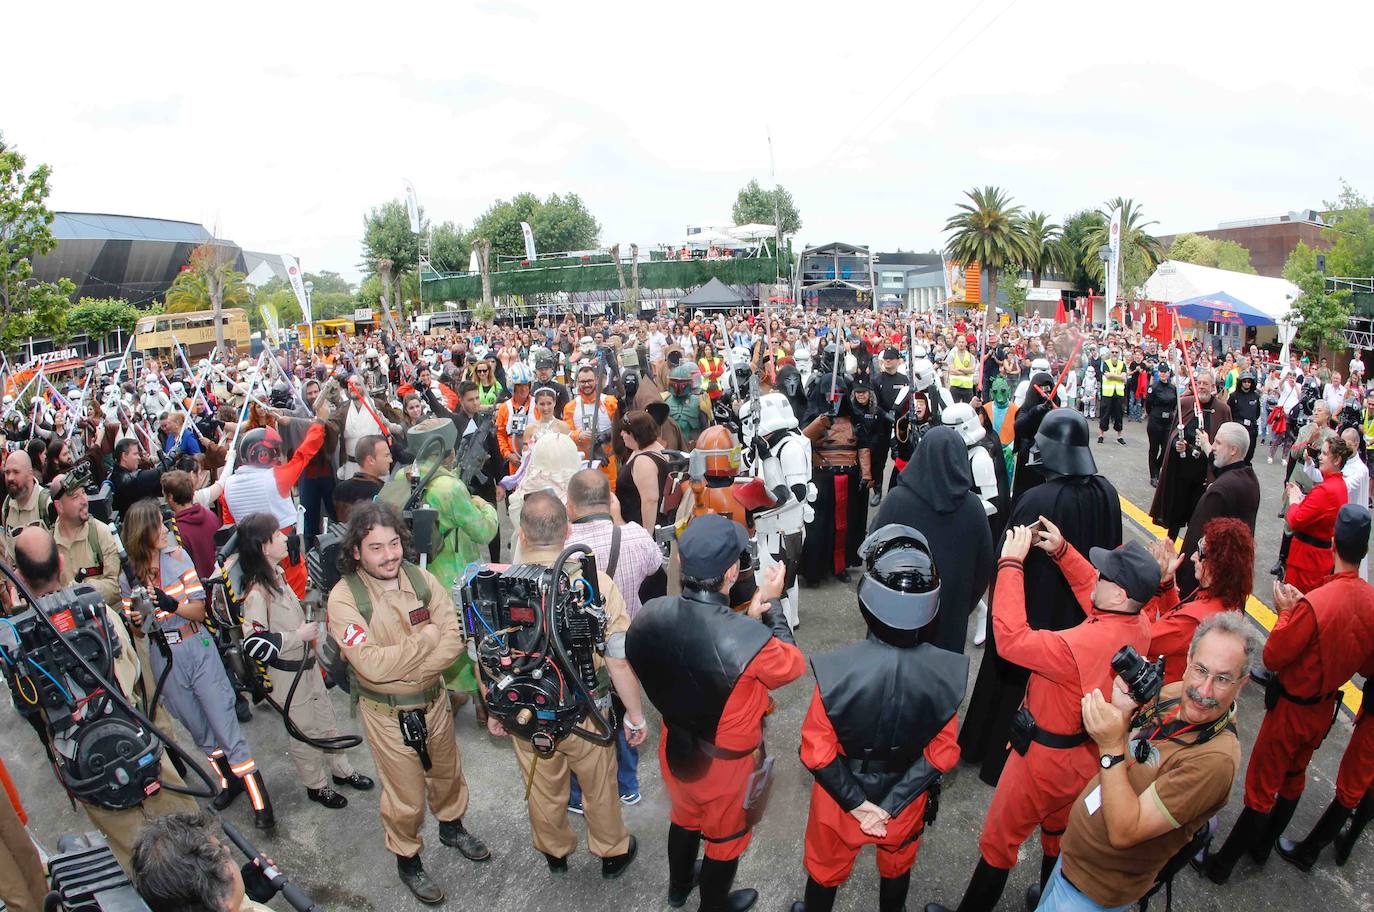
{"x":1157,"y":789}
{"x":1320,"y":640}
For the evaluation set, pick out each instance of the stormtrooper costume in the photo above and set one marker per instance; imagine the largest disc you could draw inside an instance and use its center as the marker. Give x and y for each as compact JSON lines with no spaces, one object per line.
{"x":782,"y":457}
{"x":1039,"y":365}
{"x":802,"y":356}
{"x":154,"y":400}
{"x":964,"y":419}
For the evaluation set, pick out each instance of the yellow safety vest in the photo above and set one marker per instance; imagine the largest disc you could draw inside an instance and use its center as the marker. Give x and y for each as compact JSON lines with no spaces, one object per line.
{"x":964,"y":381}
{"x":1113,"y":387}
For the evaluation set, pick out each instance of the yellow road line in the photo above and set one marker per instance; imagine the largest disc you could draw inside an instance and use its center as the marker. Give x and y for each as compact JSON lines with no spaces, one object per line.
{"x":1259,"y":612}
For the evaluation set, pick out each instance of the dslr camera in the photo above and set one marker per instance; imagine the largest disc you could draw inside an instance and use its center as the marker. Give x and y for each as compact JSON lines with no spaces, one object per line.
{"x":1143,"y":679}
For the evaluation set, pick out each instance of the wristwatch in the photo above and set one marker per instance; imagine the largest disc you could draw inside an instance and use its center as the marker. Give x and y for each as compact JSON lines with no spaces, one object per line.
{"x":1110,"y":760}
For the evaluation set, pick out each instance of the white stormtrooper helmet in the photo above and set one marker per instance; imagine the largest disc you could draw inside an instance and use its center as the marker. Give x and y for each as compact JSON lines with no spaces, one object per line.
{"x":178,"y":390}
{"x":739,"y":355}
{"x":802,"y":353}
{"x":924,"y":374}
{"x":110,"y":395}
{"x":775,"y":413}
{"x":919,"y":352}
{"x":963,"y":419}
{"x":1040,"y":364}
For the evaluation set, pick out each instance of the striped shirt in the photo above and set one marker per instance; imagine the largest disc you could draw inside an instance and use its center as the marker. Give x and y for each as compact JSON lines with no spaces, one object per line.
{"x":176,"y":576}
{"x":639,"y":556}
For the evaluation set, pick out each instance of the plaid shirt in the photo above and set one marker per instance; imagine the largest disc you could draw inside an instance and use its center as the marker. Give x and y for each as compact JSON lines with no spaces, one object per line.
{"x":639,"y":556}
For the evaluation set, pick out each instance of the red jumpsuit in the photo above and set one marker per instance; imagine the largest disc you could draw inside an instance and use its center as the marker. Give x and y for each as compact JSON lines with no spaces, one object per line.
{"x":833,"y":837}
{"x":1172,"y":625}
{"x":286,"y":475}
{"x":1355,"y":779}
{"x":1314,"y":516}
{"x":1314,"y":649}
{"x":1039,"y":788}
{"x":714,"y":804}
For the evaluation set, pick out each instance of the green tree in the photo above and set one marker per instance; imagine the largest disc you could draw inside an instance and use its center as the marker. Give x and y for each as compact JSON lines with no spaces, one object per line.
{"x":1351,"y":234}
{"x":1134,"y":238}
{"x":448,"y":248}
{"x":282,"y":299}
{"x":327,"y":281}
{"x":390,"y":247}
{"x":1043,"y":252}
{"x":1072,"y":239}
{"x":987,"y":230}
{"x":559,"y":224}
{"x":754,"y":204}
{"x":210,"y":283}
{"x":1205,"y":251}
{"x":27,"y":307}
{"x":98,"y":317}
{"x":1321,"y":314}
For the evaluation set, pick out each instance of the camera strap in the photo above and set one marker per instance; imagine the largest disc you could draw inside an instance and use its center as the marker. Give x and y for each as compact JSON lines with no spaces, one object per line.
{"x":1172,"y":728}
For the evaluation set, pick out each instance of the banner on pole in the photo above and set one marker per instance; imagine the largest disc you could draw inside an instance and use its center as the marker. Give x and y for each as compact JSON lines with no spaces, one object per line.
{"x":1113,"y":264}
{"x":293,"y":275}
{"x":270,"y":319}
{"x":529,"y":240}
{"x":473,"y":265}
{"x":412,"y":207}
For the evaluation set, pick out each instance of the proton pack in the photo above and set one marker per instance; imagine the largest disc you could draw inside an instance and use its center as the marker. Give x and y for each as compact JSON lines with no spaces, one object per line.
{"x":537,"y":631}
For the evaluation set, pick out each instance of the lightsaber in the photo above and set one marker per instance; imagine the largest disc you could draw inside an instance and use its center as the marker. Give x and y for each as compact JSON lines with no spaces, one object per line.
{"x":1068,"y":365}
{"x":835,"y":364}
{"x":367,"y":406}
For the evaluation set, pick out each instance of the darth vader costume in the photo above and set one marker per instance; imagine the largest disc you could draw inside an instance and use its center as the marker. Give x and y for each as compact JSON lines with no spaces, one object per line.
{"x":1086,"y":508}
{"x":881,"y":724}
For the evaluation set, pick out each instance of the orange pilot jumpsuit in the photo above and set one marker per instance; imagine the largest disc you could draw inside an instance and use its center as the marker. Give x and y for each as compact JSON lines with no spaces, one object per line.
{"x":1314,"y":648}
{"x":714,"y":804}
{"x":833,"y":837}
{"x":579,"y":413}
{"x":1313,"y":521}
{"x":1173,"y":625}
{"x":1039,"y":787}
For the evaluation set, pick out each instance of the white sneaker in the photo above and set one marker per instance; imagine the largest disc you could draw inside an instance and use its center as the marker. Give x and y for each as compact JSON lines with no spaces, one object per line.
{"x":980,"y":623}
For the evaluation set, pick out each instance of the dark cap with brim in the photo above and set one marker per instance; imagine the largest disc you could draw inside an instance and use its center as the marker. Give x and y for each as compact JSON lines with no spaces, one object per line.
{"x":1131,"y":567}
{"x":711,"y":545}
{"x":1352,"y":527}
{"x":891,"y":354}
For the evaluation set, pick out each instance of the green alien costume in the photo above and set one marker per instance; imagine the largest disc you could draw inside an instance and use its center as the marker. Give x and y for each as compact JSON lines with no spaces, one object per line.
{"x":466,"y":523}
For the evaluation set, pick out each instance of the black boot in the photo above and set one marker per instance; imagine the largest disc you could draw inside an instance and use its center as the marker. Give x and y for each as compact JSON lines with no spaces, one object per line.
{"x":983,"y":891}
{"x":414,"y":876}
{"x":1217,"y":866}
{"x":1279,"y":819}
{"x":1281,"y":564}
{"x":1345,"y":842}
{"x":1047,"y":863}
{"x":1304,"y":854}
{"x":819,"y":898}
{"x":233,"y":785}
{"x":891,"y":893}
{"x":683,"y":867}
{"x":452,"y":834}
{"x":615,"y":865}
{"x":263,"y":818}
{"x":715,"y":881}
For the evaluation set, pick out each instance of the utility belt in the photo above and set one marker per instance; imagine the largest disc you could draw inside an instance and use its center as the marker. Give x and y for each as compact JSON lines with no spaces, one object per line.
{"x":1322,"y":543}
{"x":1274,"y":691}
{"x":715,"y":751}
{"x":393,"y":704}
{"x":289,"y":665}
{"x":182,"y":634}
{"x":890,"y":764}
{"x":837,"y":459}
{"x":1024,"y":731}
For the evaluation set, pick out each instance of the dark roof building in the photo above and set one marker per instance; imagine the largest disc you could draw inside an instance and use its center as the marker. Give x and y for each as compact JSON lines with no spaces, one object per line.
{"x":1269,"y":240}
{"x":122,"y":256}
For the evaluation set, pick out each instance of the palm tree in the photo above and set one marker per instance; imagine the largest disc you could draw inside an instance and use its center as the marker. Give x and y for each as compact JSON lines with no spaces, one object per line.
{"x":1043,"y":253}
{"x":987,"y":231}
{"x":1133,"y":238}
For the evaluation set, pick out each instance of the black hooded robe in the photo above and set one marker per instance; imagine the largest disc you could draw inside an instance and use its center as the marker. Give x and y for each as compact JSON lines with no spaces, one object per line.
{"x":1087,"y":509}
{"x":933,"y":495}
{"x":1028,"y":417}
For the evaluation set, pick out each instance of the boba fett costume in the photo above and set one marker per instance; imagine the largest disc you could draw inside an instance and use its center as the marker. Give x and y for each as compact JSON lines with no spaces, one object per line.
{"x":465,"y":524}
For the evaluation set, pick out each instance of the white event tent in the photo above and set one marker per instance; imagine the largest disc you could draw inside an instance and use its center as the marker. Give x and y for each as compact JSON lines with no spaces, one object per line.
{"x":1175,"y":281}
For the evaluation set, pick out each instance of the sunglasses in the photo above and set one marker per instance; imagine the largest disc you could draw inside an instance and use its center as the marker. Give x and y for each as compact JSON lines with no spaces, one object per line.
{"x":1201,"y":551}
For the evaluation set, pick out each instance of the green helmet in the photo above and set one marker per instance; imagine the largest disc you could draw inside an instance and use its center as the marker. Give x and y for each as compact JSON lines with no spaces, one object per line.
{"x":1001,"y":392}
{"x":441,"y":429}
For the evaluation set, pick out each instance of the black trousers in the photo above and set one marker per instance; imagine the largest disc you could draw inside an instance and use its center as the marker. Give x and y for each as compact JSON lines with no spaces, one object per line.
{"x":961,"y":393}
{"x":1159,"y":439}
{"x":1113,"y":412}
{"x":878,"y":450}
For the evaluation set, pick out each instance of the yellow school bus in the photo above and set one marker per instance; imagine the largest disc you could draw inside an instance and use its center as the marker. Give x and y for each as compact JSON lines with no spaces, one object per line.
{"x":327,"y":332}
{"x":156,"y":335}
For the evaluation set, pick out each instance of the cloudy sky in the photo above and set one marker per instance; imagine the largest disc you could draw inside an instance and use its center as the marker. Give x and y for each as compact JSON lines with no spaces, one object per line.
{"x":281,"y":124}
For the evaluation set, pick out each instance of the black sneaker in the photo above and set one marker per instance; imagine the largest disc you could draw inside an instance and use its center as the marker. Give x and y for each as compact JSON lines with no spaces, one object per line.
{"x":1099,"y":438}
{"x":327,"y":797}
{"x":452,"y":834}
{"x":1121,"y":440}
{"x":414,"y":876}
{"x":357,"y":780}
{"x":556,"y":865}
{"x":613,"y":867}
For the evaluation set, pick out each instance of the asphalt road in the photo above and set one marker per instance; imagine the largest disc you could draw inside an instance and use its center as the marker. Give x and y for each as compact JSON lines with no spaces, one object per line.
{"x":338,"y":856}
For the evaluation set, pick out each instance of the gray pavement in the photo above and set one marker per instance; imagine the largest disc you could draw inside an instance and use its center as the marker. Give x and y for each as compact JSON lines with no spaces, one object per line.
{"x":338,"y":856}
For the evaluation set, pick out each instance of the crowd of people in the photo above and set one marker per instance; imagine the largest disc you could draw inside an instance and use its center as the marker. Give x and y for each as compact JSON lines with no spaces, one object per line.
{"x":718,"y":467}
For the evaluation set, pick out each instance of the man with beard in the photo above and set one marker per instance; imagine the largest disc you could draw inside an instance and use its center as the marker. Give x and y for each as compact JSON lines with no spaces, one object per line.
{"x":25,"y":503}
{"x":1234,"y":492}
{"x":880,"y":731}
{"x":1245,"y":409}
{"x":1161,"y":404}
{"x":1029,"y":414}
{"x":841,"y":471}
{"x":1186,"y":470}
{"x":1087,"y":510}
{"x":1321,"y":638}
{"x":888,"y":387}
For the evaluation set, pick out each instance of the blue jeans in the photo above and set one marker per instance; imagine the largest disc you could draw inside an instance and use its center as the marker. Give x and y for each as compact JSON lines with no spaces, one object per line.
{"x":1061,"y":896}
{"x":317,"y":496}
{"x":626,"y":763}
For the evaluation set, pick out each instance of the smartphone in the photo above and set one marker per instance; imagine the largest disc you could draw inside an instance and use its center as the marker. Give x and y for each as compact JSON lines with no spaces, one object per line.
{"x":1036,"y":526}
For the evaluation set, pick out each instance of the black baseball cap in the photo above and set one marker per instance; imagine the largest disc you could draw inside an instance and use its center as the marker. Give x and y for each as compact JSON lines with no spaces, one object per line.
{"x":711,"y":545}
{"x":1352,"y":527}
{"x":891,"y":354}
{"x":1131,"y":567}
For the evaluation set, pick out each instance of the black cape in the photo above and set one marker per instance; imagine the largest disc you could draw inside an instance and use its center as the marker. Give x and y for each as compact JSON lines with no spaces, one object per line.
{"x":1087,"y":510}
{"x":932,"y":495}
{"x":1028,"y":417}
{"x":1234,"y":493}
{"x":1182,"y":478}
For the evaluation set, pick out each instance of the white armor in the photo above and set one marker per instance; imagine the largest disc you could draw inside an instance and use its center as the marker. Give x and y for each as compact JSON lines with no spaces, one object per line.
{"x":779,"y":531}
{"x":154,"y":401}
{"x":358,"y":424}
{"x":1039,"y":365}
{"x":964,"y":419}
{"x":802,"y":355}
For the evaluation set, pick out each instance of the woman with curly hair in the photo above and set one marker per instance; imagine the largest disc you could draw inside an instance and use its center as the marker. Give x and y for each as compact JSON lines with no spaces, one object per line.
{"x":1224,"y":564}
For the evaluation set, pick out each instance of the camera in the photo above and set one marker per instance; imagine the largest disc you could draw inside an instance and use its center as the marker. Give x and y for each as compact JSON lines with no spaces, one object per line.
{"x":1143,"y":679}
{"x":57,"y":664}
{"x":536,"y":632}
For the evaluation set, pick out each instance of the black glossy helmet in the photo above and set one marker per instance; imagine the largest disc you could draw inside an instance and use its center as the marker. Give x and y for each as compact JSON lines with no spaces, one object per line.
{"x":1063,"y":444}
{"x":900,"y":590}
{"x":631,"y":380}
{"x":281,"y":395}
